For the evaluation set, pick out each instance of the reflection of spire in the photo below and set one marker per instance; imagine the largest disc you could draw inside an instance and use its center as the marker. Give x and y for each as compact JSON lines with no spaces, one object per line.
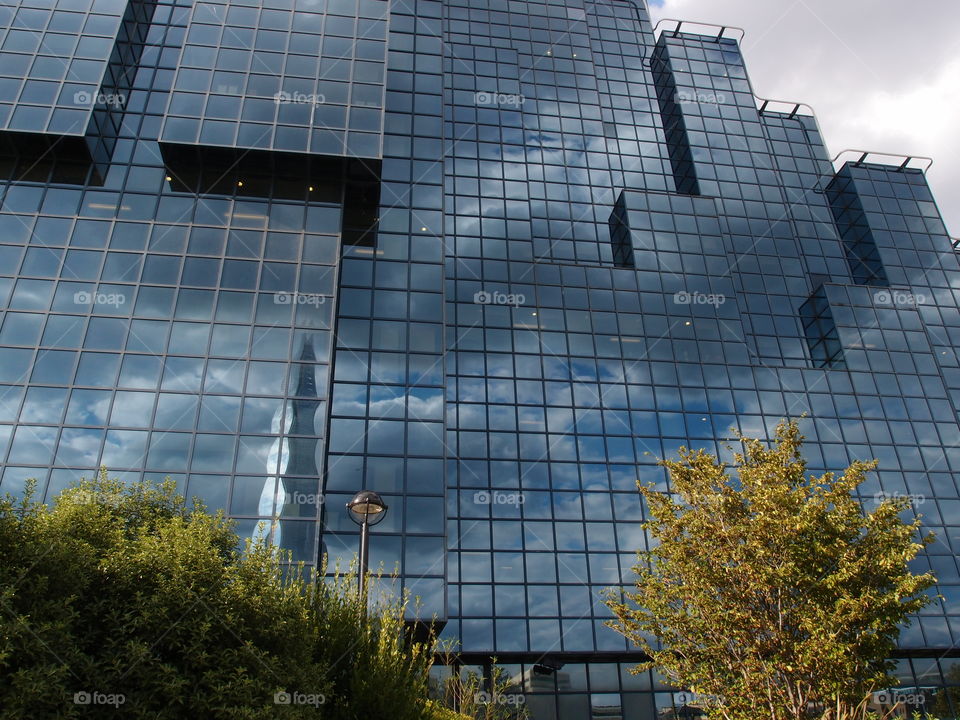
{"x":302,"y":446}
{"x":294,"y":454}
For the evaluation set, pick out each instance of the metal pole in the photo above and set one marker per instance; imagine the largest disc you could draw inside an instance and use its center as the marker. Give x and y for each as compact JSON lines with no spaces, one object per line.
{"x":364,"y":551}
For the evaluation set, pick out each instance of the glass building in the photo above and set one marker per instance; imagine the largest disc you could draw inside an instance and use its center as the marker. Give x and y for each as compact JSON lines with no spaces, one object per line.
{"x":490,"y":259}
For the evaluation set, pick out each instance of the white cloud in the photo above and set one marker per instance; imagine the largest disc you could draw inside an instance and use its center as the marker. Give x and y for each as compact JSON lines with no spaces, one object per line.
{"x":882,"y":75}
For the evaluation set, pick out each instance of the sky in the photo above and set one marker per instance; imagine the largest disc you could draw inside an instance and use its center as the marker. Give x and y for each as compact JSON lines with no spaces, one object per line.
{"x":881,"y":75}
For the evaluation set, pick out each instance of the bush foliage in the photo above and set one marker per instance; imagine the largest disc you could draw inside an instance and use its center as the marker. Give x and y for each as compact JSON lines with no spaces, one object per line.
{"x":126,"y":599}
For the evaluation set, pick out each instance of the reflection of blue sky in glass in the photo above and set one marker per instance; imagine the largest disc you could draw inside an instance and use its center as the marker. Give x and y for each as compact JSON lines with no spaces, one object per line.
{"x":507,"y":437}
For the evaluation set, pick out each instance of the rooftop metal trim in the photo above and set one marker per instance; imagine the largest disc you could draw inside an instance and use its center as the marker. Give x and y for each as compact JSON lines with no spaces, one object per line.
{"x":865,"y":155}
{"x":716,"y":35}
{"x":790,"y":108}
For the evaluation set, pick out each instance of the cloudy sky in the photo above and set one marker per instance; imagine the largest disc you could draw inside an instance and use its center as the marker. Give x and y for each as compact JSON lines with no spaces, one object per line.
{"x":882,"y":75}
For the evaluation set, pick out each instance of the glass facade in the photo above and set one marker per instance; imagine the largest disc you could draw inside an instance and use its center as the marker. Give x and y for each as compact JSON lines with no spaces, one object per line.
{"x":489,"y":259}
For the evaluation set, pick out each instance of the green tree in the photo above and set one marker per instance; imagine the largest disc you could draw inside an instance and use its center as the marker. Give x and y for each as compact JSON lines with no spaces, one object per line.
{"x":767,"y":592}
{"x":126,"y":599}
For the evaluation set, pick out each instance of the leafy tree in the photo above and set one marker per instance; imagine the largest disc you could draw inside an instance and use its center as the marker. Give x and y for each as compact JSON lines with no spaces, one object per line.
{"x":769,"y":593}
{"x":125,"y":599}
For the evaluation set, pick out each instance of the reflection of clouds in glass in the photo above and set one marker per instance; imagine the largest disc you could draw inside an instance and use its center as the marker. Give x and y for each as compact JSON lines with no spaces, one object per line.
{"x":182,"y":373}
{"x":124,"y":449}
{"x":32,"y":295}
{"x":132,"y":409}
{"x":259,"y":414}
{"x":43,"y":405}
{"x":98,"y":369}
{"x":254,"y":456}
{"x":188,"y":337}
{"x":169,"y":451}
{"x":390,"y":404}
{"x":79,"y":447}
{"x":33,"y":444}
{"x":266,"y":378}
{"x":219,"y":413}
{"x":230,"y":340}
{"x":426,"y":404}
{"x":175,"y":411}
{"x":212,"y":452}
{"x":88,"y":407}
{"x":224,"y":376}
{"x":211,"y":489}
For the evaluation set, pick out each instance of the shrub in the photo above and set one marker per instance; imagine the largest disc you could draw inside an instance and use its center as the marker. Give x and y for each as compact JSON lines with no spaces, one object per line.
{"x":125,"y":596}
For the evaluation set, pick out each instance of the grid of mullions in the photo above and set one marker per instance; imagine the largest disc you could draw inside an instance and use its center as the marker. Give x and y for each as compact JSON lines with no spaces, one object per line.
{"x":540,"y":405}
{"x":197,"y":372}
{"x":53,"y":61}
{"x":543,"y":168}
{"x":572,"y":691}
{"x":557,"y":398}
{"x":737,"y":154}
{"x":386,"y":407}
{"x":275,"y":76}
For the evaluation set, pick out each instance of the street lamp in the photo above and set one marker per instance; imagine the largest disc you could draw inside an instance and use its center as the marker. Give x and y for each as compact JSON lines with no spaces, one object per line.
{"x":366,"y":509}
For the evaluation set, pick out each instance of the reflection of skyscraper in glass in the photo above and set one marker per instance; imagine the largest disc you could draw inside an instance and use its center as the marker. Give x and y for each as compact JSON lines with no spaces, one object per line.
{"x":297,"y":494}
{"x":302,"y":439}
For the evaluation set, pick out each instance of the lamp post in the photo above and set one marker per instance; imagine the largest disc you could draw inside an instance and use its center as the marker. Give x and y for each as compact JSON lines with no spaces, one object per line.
{"x":366,"y":509}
